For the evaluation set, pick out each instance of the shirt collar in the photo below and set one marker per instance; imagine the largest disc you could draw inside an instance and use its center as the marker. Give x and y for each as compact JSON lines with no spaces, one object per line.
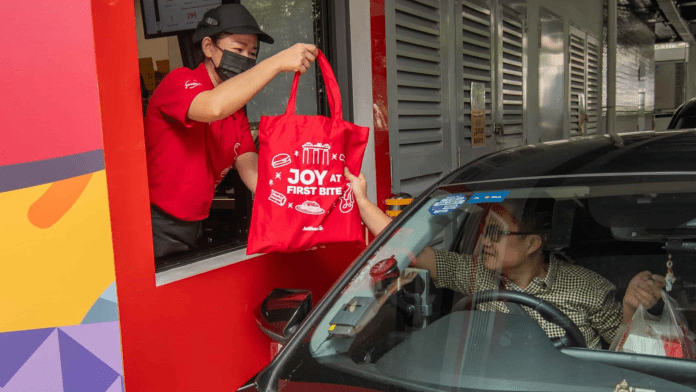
{"x":202,"y":73}
{"x":551,"y":274}
{"x":537,"y":284}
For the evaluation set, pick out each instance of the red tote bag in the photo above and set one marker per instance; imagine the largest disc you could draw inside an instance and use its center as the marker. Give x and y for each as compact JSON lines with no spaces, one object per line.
{"x":302,"y":196}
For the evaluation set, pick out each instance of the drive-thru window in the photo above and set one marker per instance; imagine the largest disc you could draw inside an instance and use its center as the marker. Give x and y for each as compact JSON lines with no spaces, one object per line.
{"x":319,"y":22}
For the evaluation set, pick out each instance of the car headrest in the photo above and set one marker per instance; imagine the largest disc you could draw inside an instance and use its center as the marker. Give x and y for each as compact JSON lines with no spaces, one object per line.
{"x":561,"y":225}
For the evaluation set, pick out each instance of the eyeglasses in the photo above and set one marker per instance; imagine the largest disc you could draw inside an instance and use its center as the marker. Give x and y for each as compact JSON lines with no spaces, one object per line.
{"x":495,"y":233}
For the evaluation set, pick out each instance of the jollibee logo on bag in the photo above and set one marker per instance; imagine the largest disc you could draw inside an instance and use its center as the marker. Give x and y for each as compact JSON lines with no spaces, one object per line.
{"x":310,"y":182}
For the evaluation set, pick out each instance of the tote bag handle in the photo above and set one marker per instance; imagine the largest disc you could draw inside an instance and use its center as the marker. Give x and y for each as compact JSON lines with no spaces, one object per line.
{"x":332,"y":90}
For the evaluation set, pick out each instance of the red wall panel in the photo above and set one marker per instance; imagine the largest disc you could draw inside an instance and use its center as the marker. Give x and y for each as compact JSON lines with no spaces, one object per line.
{"x":381,"y":101}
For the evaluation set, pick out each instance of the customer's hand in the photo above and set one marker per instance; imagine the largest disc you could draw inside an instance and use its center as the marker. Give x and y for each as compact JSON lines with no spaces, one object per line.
{"x":359,"y":185}
{"x":644,"y":289}
{"x":296,"y":58}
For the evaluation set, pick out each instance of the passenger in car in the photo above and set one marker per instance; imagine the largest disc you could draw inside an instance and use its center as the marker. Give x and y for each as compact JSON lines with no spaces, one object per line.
{"x":510,"y":254}
{"x":196,"y":129}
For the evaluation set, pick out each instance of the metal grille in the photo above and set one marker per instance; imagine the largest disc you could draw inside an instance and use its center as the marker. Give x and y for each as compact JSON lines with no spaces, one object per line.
{"x":477,"y":54}
{"x":576,"y":65}
{"x":419,"y":94}
{"x":592,"y":85}
{"x":513,"y":71}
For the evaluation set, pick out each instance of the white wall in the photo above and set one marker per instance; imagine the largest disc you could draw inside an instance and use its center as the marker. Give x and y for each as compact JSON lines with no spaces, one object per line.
{"x":691,"y":73}
{"x":361,"y":63}
{"x":584,"y":14}
{"x":672,"y":52}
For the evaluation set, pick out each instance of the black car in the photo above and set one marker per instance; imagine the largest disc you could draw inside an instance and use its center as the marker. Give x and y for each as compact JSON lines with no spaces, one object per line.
{"x":613,"y":205}
{"x":685,"y":116}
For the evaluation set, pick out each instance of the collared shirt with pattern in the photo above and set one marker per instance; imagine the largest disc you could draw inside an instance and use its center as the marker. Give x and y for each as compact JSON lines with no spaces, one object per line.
{"x":585,"y":296}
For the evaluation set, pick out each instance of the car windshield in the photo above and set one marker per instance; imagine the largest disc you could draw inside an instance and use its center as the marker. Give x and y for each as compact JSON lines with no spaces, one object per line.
{"x":549,"y":261}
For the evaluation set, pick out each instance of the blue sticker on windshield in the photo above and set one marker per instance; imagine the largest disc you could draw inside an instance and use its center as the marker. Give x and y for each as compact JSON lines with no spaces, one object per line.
{"x":488,"y":197}
{"x":447,"y":204}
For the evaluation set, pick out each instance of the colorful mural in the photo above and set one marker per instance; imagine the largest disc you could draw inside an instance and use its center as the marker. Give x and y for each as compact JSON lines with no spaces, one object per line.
{"x":58,"y":258}
{"x":58,"y":271}
{"x":76,"y":358}
{"x":59,"y":326}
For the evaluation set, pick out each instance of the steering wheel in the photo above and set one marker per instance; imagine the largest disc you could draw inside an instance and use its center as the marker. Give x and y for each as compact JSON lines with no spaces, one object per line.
{"x":573,"y":337}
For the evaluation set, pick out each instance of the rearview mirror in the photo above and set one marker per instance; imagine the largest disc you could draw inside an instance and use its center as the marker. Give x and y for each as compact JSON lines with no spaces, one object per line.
{"x":281,"y":313}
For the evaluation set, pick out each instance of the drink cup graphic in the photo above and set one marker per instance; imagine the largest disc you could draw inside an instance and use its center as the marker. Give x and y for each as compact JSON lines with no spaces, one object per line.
{"x":347,"y":200}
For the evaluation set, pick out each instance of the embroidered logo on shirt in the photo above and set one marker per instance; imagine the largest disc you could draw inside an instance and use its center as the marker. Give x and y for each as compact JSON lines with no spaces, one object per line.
{"x":191,"y":84}
{"x":236,"y":147}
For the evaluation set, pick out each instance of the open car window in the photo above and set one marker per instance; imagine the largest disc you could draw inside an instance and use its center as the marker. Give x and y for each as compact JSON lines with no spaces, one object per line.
{"x":396,"y":324}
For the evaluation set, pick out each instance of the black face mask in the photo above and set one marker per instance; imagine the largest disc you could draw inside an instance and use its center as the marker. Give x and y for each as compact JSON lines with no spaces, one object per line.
{"x":232,"y":64}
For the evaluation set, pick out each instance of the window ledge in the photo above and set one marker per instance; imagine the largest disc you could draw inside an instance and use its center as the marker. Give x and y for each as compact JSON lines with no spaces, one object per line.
{"x":197,"y":268}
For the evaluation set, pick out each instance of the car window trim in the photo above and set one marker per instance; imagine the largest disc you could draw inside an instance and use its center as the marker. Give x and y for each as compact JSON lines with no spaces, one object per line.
{"x":596,"y":175}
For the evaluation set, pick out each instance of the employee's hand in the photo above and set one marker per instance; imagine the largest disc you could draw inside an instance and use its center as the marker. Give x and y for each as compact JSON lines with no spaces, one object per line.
{"x":644,"y":289}
{"x":296,"y":58}
{"x":359,"y":185}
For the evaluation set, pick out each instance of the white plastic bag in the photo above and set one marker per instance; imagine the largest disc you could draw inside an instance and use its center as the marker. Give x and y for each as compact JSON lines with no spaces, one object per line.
{"x":668,"y":335}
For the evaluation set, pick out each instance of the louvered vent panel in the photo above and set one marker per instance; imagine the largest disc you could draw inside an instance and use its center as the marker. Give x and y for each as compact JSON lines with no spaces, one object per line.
{"x":476,"y":51}
{"x":513,"y":71}
{"x":592,"y":85}
{"x":577,"y":79}
{"x":419,"y":94}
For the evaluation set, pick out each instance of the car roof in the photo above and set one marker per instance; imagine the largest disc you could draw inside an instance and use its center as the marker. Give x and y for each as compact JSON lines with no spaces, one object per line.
{"x":689,"y":105}
{"x":686,"y":109}
{"x":640,"y":152}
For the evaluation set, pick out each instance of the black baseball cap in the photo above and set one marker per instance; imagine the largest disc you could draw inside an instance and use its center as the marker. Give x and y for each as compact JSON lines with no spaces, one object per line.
{"x":230,"y":18}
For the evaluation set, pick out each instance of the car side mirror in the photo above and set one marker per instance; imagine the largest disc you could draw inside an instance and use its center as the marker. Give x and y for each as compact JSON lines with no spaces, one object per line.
{"x":280,"y":314}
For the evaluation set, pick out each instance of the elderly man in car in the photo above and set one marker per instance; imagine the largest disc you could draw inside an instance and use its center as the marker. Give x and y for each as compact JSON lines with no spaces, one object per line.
{"x":510,"y":254}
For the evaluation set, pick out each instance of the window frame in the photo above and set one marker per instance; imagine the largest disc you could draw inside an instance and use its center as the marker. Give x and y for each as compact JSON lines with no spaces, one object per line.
{"x":331,"y":30}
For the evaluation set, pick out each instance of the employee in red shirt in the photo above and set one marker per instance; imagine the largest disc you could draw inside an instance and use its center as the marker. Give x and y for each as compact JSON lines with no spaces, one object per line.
{"x":195,"y":128}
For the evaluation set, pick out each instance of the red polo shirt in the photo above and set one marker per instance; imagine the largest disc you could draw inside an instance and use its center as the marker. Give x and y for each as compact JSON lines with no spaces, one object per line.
{"x":186,"y":158}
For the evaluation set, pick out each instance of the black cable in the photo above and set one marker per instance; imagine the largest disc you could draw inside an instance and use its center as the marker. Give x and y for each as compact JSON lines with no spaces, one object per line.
{"x":322,"y":343}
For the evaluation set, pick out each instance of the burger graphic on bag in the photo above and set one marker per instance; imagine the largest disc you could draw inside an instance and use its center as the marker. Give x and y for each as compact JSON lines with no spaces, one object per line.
{"x":280,"y":160}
